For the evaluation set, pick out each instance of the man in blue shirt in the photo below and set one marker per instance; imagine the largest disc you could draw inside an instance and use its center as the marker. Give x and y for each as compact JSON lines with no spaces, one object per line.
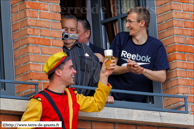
{"x":84,"y":32}
{"x":140,"y":58}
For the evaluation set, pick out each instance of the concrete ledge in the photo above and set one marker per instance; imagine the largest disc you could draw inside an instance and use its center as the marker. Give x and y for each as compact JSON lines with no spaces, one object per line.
{"x":140,"y":117}
{"x":109,"y":114}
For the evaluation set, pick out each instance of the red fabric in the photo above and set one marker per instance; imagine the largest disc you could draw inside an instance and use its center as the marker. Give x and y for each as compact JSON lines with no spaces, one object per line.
{"x":49,"y":114}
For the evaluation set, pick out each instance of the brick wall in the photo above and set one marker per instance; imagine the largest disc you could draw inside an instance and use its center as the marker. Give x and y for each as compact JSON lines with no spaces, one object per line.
{"x":105,"y":125}
{"x":36,"y":35}
{"x":175,"y":30}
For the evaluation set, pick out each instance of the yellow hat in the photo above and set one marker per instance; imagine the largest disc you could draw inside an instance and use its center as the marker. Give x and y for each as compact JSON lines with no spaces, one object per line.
{"x":54,"y":61}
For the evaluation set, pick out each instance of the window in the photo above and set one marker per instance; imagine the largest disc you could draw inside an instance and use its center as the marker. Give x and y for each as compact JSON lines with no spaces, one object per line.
{"x":111,"y":14}
{"x":112,"y":20}
{"x":6,"y":48}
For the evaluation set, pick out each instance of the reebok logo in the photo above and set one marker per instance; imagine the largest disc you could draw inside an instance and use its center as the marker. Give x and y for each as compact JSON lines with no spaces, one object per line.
{"x":135,"y":57}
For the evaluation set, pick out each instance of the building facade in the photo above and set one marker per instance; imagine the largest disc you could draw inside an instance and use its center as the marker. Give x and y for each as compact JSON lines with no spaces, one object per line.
{"x":31,"y":32}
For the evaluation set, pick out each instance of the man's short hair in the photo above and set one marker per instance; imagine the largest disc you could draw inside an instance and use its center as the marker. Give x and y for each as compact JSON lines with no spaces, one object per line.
{"x":142,"y":14}
{"x":85,"y":24}
{"x":70,"y":16}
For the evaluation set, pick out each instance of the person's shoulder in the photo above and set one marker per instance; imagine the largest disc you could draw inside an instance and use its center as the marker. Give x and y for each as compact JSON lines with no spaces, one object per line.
{"x":123,"y":34}
{"x":155,"y":41}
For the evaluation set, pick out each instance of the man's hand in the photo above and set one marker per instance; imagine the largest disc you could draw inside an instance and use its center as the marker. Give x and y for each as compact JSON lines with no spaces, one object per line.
{"x":104,"y":74}
{"x":110,"y":100}
{"x":134,"y":67}
{"x":100,"y":57}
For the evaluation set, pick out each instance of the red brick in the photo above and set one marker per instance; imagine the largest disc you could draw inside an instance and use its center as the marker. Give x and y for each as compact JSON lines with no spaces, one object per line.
{"x":181,"y":1}
{"x":14,"y":9}
{"x":84,"y":124}
{"x":27,"y":67}
{"x":19,"y":78}
{"x":186,"y":82}
{"x":22,"y":87}
{"x":178,"y":31}
{"x":23,"y":23}
{"x":35,"y":40}
{"x":183,"y":65}
{"x":173,"y":39}
{"x":9,"y":118}
{"x":32,"y":13}
{"x":181,"y":15}
{"x":190,"y":99}
{"x":124,"y":126}
{"x":146,"y":127}
{"x":35,"y":22}
{"x":160,"y":18}
{"x":189,"y":8}
{"x":56,"y":25}
{"x":55,"y":8}
{"x":191,"y":74}
{"x":34,"y":58}
{"x":56,"y":42}
{"x":192,"y":108}
{"x":25,"y":50}
{"x":171,"y":23}
{"x":15,"y":1}
{"x":159,"y":2}
{"x":190,"y":57}
{"x":180,"y":48}
{"x":51,"y":1}
{"x":22,"y":6}
{"x":25,"y":31}
{"x":191,"y":90}
{"x":188,"y":24}
{"x":45,"y":84}
{"x":176,"y":56}
{"x":52,"y":16}
{"x":17,"y":62}
{"x":49,"y":50}
{"x":101,"y":125}
{"x":189,"y":40}
{"x":15,"y":26}
{"x":17,"y":16}
{"x":36,"y":76}
{"x":16,"y":44}
{"x":192,"y":16}
{"x":175,"y":6}
{"x":166,"y":1}
{"x":166,"y":85}
{"x":37,"y":6}
{"x":162,"y":35}
{"x":167,"y":102}
{"x":177,"y":90}
{"x":176,"y":73}
{"x":50,"y":33}
{"x":168,"y":16}
{"x":163,"y":9}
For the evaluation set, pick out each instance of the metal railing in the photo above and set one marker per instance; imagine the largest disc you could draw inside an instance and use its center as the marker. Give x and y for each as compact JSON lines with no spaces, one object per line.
{"x":19,"y":82}
{"x":118,"y":104}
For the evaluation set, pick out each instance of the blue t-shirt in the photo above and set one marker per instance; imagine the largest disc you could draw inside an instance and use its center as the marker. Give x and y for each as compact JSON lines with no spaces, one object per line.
{"x":150,"y":55}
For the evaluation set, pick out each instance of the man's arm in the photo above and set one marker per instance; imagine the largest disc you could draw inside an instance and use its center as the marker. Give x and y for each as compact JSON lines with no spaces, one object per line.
{"x":33,"y":112}
{"x":96,"y":103}
{"x":159,"y":76}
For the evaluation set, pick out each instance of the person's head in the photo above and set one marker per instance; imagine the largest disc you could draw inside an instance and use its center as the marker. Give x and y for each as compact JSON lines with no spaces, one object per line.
{"x":60,"y":66}
{"x":138,"y":18}
{"x":83,"y":30}
{"x":69,"y":25}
